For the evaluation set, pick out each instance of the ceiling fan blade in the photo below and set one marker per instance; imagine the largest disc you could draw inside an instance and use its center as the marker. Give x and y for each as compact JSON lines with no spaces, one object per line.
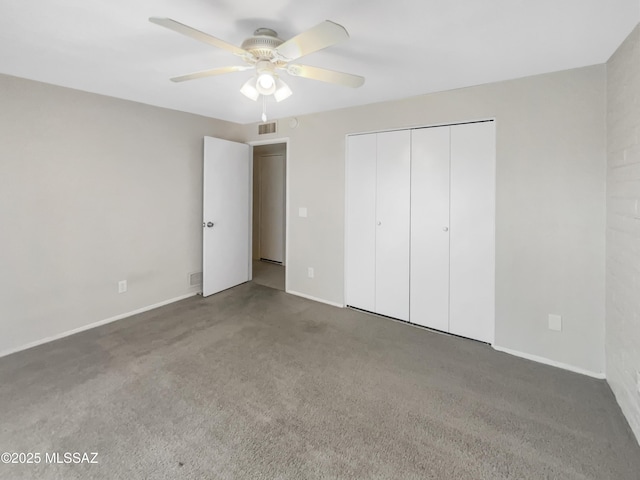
{"x":210,"y":73}
{"x":324,"y":75}
{"x":198,"y":35}
{"x":321,"y":36}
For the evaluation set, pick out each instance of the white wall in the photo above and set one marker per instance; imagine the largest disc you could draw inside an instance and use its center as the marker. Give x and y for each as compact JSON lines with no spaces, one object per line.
{"x":551,"y":164}
{"x":94,"y":190}
{"x":623,"y":227}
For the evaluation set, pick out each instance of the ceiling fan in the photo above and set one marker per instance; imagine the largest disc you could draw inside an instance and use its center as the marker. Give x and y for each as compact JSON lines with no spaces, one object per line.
{"x":269,"y":55}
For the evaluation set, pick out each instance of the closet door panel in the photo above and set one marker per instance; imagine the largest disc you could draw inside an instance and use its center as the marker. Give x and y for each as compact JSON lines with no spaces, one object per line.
{"x":429,"y":304}
{"x":472,"y":231}
{"x":392,"y":224}
{"x":361,"y":221}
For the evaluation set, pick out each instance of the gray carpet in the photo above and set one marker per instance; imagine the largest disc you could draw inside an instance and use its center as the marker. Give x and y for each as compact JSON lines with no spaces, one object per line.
{"x":254,"y":383}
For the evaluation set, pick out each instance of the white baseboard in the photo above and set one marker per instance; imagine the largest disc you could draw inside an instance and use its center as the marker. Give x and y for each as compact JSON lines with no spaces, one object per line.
{"x":553,"y":363}
{"x":315,"y":299}
{"x":95,"y":324}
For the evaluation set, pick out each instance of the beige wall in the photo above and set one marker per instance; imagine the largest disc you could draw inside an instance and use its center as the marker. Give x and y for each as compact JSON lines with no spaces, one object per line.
{"x":94,"y":190}
{"x":550,"y":202}
{"x":623,"y":227}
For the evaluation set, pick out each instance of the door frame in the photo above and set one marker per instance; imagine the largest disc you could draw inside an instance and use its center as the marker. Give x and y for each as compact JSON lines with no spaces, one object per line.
{"x":257,"y":143}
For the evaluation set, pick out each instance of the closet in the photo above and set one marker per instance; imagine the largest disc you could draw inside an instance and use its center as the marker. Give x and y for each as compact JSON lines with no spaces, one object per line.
{"x":420,"y":226}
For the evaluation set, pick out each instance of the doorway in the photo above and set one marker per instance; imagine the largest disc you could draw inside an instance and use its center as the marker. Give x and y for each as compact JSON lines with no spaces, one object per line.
{"x":269,"y":215}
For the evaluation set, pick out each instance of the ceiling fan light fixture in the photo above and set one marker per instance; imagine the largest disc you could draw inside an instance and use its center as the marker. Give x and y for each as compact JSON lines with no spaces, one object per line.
{"x":266,"y":83}
{"x":282,"y":91}
{"x":250,"y":89}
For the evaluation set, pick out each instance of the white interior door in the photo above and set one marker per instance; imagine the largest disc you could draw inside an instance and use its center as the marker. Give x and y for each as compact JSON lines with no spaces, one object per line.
{"x":361,"y":222}
{"x":226,"y":252}
{"x":472,"y":246}
{"x":430,"y":228}
{"x":392,"y":223}
{"x":272,"y":207}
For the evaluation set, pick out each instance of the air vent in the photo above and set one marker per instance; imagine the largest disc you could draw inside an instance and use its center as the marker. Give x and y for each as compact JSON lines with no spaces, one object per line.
{"x":195,"y":279}
{"x":266,"y":128}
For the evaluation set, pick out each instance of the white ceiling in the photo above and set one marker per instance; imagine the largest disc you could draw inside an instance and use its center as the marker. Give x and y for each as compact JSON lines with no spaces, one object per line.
{"x":402,"y":47}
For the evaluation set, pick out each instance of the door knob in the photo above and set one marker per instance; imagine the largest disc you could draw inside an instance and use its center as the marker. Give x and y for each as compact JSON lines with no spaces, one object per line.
{"x":209,"y":224}
{"x":379,"y":222}
{"x":445,"y":229}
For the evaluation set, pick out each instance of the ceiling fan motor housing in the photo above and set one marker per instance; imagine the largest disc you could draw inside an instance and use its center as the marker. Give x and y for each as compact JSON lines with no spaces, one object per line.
{"x":262,"y":44}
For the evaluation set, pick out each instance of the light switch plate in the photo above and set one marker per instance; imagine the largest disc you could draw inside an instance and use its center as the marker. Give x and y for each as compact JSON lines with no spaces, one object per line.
{"x":555,"y":322}
{"x":302,"y":211}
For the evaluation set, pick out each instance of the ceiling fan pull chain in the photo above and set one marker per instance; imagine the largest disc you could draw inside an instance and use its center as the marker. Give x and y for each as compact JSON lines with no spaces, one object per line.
{"x":264,"y":108}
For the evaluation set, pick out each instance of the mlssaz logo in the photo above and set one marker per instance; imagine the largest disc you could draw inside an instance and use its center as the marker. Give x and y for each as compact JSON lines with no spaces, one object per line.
{"x":71,"y":457}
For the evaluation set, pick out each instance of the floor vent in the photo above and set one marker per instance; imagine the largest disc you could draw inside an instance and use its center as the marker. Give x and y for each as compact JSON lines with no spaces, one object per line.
{"x":195,"y":279}
{"x":266,"y":128}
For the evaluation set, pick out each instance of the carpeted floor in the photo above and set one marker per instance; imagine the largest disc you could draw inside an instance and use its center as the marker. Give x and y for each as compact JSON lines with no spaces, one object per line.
{"x":253,"y":383}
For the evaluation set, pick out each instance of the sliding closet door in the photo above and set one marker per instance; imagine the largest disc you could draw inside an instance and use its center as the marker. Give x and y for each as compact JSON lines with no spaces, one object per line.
{"x":392,"y":224}
{"x":430,"y":228}
{"x":361,"y":222}
{"x":472,"y":231}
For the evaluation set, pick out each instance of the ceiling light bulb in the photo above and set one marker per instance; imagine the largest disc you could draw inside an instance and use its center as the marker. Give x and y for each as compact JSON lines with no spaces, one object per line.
{"x":266,"y":83}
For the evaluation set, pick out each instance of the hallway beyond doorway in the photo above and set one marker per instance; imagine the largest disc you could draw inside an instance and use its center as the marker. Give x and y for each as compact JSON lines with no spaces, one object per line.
{"x":268,"y":274}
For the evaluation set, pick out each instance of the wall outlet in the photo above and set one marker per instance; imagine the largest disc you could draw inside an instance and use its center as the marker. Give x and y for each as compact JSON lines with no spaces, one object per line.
{"x":310,"y":272}
{"x":122,"y":286}
{"x":555,"y":322}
